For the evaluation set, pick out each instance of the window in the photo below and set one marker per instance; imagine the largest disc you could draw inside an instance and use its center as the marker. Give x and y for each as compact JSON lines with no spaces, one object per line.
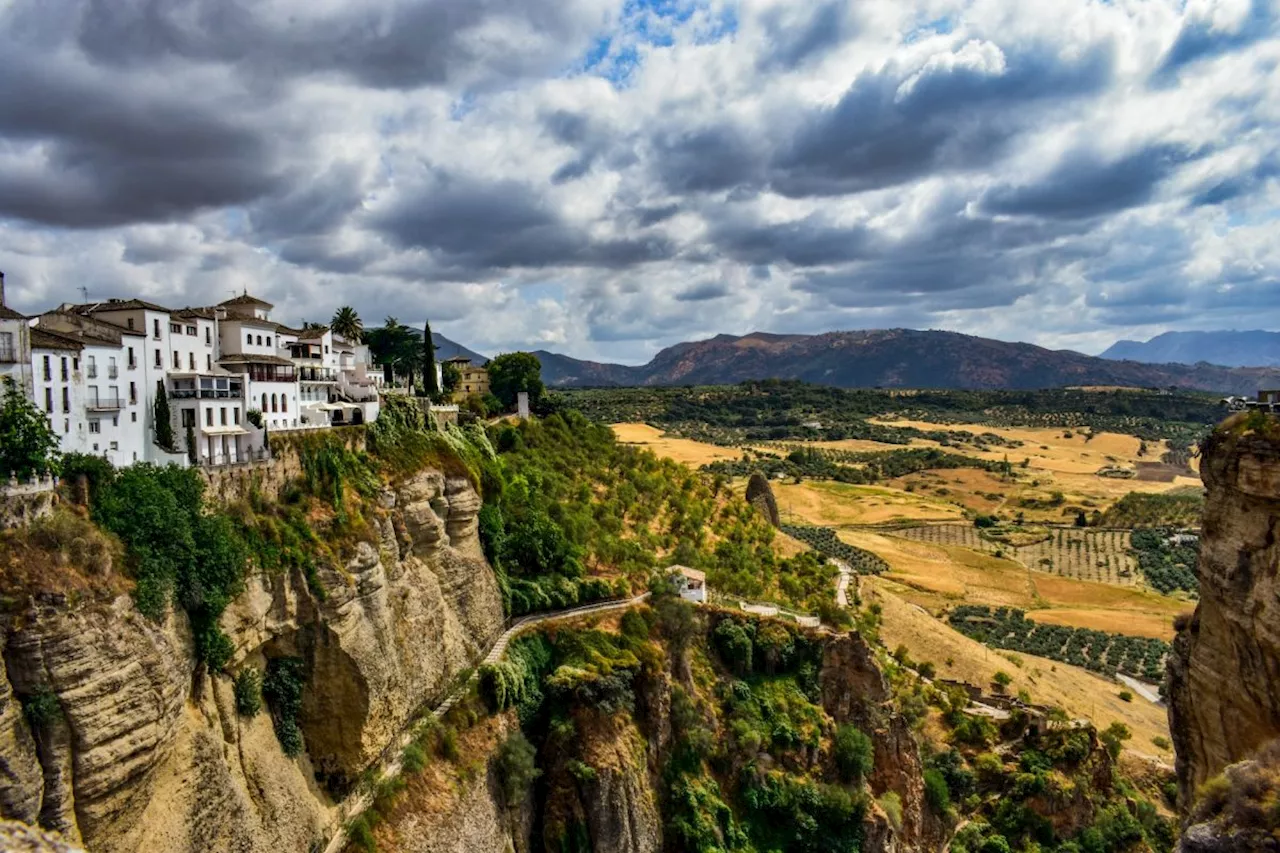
{"x":8,"y":352}
{"x":208,"y":336}
{"x":112,"y":370}
{"x":159,"y":362}
{"x":133,"y":392}
{"x":115,"y":445}
{"x":91,"y":366}
{"x":115,"y":420}
{"x":132,"y":361}
{"x":248,"y":339}
{"x":64,"y":369}
{"x":259,"y":340}
{"x":188,"y":418}
{"x":48,"y":400}
{"x":66,"y":426}
{"x":129,"y":321}
{"x":191,"y":360}
{"x":133,"y":417}
{"x":275,"y":404}
{"x":175,"y":328}
{"x":155,"y":331}
{"x":48,"y":372}
{"x":326,"y":350}
{"x":113,"y":395}
{"x":284,"y":402}
{"x":93,"y":395}
{"x":191,"y":330}
{"x":208,"y":417}
{"x":75,"y":362}
{"x":95,"y":427}
{"x":177,"y":360}
{"x":66,"y":400}
{"x":268,"y":340}
{"x":235,"y":416}
{"x":208,"y":362}
{"x":223,"y":416}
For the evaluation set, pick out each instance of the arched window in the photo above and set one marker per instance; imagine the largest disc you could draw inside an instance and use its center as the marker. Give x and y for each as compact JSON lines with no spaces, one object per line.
{"x":248,"y":339}
{"x":264,"y":402}
{"x":268,"y":340}
{"x":274,"y":405}
{"x":259,"y":340}
{"x":284,"y":403}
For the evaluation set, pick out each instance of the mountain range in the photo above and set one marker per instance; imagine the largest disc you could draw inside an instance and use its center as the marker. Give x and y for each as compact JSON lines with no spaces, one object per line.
{"x":1231,"y":349}
{"x":902,"y":358}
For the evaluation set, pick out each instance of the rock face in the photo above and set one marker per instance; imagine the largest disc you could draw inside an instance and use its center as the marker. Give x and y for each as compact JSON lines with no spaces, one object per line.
{"x":1224,"y":673}
{"x":760,"y":496}
{"x":146,"y":751}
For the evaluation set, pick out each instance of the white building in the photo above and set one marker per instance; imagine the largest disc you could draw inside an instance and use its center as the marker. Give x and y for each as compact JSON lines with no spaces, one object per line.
{"x":250,"y":347}
{"x":15,"y":346}
{"x":693,"y":583}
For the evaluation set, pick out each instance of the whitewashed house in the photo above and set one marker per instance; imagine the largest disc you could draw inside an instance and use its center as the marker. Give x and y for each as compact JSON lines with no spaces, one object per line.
{"x":693,"y":583}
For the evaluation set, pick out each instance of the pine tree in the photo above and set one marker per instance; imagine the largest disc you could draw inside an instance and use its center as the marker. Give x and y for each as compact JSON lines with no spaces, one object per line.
{"x":192,"y":453}
{"x":429,"y":383}
{"x":164,"y":426}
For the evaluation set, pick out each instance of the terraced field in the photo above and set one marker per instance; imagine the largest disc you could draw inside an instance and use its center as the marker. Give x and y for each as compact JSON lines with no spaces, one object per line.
{"x":1083,"y":554}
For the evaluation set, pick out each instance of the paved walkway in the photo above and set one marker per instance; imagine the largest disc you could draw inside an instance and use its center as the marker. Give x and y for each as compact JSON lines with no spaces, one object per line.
{"x":842,"y":585}
{"x":1142,"y":688}
{"x":361,"y":800}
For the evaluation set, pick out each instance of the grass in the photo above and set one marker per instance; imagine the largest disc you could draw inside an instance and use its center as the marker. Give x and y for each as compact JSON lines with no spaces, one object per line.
{"x":682,"y":450}
{"x":1079,"y":692}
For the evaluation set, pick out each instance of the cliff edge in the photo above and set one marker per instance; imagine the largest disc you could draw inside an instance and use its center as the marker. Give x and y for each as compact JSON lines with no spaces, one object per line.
{"x":1224,"y":672}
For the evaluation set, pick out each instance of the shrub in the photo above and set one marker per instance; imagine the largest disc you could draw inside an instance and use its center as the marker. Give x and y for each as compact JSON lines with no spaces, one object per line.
{"x":1002,"y":679}
{"x":891,"y":804}
{"x":248,"y":692}
{"x":282,"y":688}
{"x":854,"y":753}
{"x":42,"y":708}
{"x":1161,"y":742}
{"x":1114,"y":736}
{"x":447,"y":743}
{"x":516,"y":767}
{"x":1125,"y":696}
{"x":936,"y":792}
{"x":414,"y":758}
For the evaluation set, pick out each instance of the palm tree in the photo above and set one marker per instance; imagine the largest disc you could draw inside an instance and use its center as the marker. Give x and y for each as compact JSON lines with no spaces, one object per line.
{"x":346,"y":323}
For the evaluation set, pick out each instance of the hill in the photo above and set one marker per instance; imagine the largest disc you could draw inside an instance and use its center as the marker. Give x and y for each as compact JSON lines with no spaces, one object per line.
{"x":1231,"y":349}
{"x":896,"y":358}
{"x":446,"y":348}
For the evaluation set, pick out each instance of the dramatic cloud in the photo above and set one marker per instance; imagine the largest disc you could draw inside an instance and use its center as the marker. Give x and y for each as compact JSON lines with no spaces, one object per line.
{"x":606,"y":177}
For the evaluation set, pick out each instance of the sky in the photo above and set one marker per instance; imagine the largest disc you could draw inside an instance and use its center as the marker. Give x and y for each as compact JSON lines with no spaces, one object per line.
{"x":605,"y":178}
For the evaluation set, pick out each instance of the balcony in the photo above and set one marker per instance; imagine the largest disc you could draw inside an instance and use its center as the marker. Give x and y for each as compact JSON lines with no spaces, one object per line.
{"x":104,"y":404}
{"x":92,"y":371}
{"x":113,"y":372}
{"x":133,"y":364}
{"x":205,"y":394}
{"x":317,"y":374}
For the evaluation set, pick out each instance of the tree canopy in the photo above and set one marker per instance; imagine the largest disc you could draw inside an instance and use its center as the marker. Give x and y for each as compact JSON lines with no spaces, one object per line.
{"x":347,"y":324}
{"x":28,"y":445}
{"x":395,"y":345}
{"x":513,"y":372}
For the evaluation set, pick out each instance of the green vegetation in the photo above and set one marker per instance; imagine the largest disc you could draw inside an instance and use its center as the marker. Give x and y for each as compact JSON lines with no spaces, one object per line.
{"x":42,"y":709}
{"x":346,"y":323}
{"x":817,"y":463}
{"x":513,"y":372}
{"x":430,"y":385}
{"x":1167,"y":564}
{"x":164,"y":438}
{"x":282,"y":688}
{"x":1176,"y":509}
{"x":778,"y":410}
{"x":824,"y":541}
{"x":177,"y":552}
{"x":516,"y":768}
{"x":572,"y":516}
{"x":854,"y":753}
{"x":1009,"y":628}
{"x":247,"y":688}
{"x":28,"y":445}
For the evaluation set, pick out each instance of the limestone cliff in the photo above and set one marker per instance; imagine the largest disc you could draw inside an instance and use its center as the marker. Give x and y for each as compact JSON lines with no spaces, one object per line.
{"x":145,"y":751}
{"x":1224,"y":673}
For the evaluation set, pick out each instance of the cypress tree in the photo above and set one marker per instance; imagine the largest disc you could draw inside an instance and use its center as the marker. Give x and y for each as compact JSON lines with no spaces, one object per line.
{"x":429,"y":382}
{"x":164,"y":426}
{"x":193,"y":455}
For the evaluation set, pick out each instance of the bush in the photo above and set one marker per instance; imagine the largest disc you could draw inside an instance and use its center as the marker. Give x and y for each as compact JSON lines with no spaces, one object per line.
{"x":414,"y":758}
{"x":1161,"y":742}
{"x":1002,"y":679}
{"x":248,"y":692}
{"x":936,"y":792}
{"x":282,"y":688}
{"x":1114,"y":736}
{"x":1125,"y":696}
{"x":891,"y":804}
{"x":854,"y":753}
{"x":42,"y":709}
{"x":516,"y":767}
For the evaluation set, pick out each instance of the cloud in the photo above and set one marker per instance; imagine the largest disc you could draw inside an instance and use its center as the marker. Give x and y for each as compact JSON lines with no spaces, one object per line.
{"x":607,"y":177}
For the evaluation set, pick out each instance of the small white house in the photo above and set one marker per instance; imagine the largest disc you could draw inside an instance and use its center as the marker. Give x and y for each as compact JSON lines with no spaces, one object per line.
{"x":693,"y":583}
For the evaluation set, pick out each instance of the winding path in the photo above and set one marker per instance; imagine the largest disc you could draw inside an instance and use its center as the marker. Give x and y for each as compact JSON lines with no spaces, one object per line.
{"x":361,"y":800}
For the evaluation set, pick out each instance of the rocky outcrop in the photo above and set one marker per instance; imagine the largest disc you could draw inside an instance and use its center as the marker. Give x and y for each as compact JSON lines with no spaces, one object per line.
{"x":760,"y":496}
{"x":1224,"y":673}
{"x":19,"y":838}
{"x":147,"y":751}
{"x":1237,"y":813}
{"x":854,"y":691}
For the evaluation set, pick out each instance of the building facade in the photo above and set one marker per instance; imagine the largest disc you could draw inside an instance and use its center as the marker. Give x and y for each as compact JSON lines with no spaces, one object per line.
{"x":473,"y":379}
{"x":15,"y":346}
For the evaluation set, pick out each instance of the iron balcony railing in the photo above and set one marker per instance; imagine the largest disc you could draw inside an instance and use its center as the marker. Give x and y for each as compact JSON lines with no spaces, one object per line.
{"x":205,"y":394}
{"x":104,"y":404}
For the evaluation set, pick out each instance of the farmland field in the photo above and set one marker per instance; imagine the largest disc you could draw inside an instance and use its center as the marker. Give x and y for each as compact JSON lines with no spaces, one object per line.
{"x":1081,"y":553}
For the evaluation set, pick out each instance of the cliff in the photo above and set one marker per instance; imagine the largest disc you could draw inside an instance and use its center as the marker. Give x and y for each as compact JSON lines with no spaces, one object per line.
{"x":136,"y":747}
{"x":1224,"y":673}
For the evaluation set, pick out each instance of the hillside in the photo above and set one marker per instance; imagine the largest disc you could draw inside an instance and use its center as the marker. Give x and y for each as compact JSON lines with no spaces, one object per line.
{"x":1228,"y":348}
{"x":895,"y":358}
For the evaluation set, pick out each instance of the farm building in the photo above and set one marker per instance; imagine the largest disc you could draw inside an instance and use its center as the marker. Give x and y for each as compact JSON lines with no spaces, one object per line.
{"x":693,"y":583}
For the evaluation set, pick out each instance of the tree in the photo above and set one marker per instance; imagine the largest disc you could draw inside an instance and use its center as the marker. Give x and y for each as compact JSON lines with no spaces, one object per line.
{"x":514,"y":372}
{"x":429,"y":384}
{"x":193,"y":454}
{"x":854,"y":753}
{"x":347,"y":324}
{"x":164,"y":425}
{"x":395,"y":347}
{"x":28,"y":445}
{"x":451,"y":376}
{"x":1114,"y":736}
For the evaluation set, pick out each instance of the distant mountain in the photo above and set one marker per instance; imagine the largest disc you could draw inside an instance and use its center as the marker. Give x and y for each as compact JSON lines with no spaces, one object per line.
{"x":895,"y":358}
{"x":1231,"y":349}
{"x":446,"y":348}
